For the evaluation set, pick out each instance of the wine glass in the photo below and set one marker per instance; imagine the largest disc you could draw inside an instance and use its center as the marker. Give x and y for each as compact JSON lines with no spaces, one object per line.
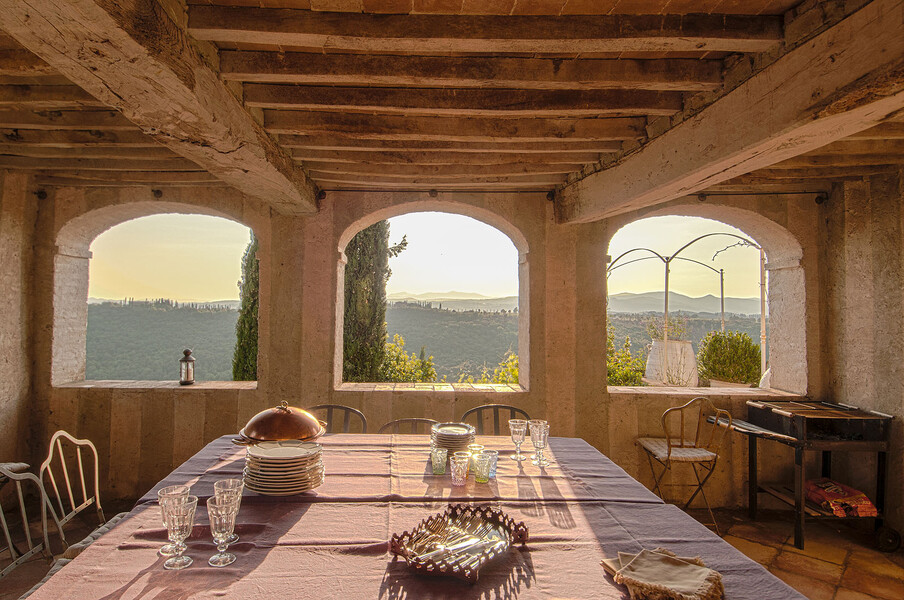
{"x":180,"y":518}
{"x":539,"y":434}
{"x":171,"y":493}
{"x":230,"y":488}
{"x":222,"y":512}
{"x":518,"y":427}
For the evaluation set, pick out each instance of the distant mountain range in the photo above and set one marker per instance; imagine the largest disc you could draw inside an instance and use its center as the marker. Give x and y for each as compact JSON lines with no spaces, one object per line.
{"x":653,"y":302}
{"x":233,"y":304}
{"x":436,"y":296}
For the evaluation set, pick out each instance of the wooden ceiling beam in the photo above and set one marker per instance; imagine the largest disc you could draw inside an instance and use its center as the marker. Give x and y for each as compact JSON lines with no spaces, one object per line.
{"x":464,"y":102}
{"x":470,"y":72}
{"x":883,"y":131}
{"x":91,"y":164}
{"x":426,"y":34}
{"x":109,"y":152}
{"x":78,"y":138}
{"x":846,"y":79}
{"x":414,"y":157}
{"x":46,"y":97}
{"x":118,"y":178}
{"x":861,"y":146}
{"x":545,"y":182}
{"x":440,"y":171}
{"x":338,"y":142}
{"x":836,"y":160}
{"x":51,"y":120}
{"x":828,"y":173}
{"x":451,"y":128}
{"x":22,"y":63}
{"x":134,"y":57}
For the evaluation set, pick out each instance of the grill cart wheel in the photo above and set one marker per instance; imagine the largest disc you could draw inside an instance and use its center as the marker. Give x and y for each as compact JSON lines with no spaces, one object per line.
{"x":888,"y":539}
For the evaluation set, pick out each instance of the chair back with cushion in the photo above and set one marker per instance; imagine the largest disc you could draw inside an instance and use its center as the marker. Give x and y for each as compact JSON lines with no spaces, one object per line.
{"x":481,"y":414}
{"x":346,"y":412}
{"x":64,"y":478}
{"x":18,"y":541}
{"x":408,"y":425}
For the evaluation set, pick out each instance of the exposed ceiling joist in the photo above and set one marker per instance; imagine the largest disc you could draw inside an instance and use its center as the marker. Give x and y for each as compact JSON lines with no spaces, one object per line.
{"x":464,"y":102}
{"x":451,"y":128}
{"x":20,"y":63}
{"x":846,"y":79}
{"x":415,"y":157}
{"x":46,"y":97}
{"x":339,"y":143}
{"x":77,"y":138}
{"x":470,"y":72}
{"x":132,"y":56}
{"x":429,"y":34}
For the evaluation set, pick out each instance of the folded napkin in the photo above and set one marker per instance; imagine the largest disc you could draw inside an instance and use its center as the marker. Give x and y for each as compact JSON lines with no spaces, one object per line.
{"x":660,"y":575}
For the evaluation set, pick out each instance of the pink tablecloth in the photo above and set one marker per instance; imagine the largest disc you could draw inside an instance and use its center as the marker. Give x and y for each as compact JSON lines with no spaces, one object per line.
{"x":333,"y":543}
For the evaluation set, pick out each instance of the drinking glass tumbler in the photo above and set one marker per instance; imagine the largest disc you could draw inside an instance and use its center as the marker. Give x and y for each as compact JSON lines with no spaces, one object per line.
{"x":460,"y":469}
{"x":494,"y":458}
{"x":180,"y":518}
{"x":482,"y":468}
{"x":222,"y":512}
{"x":438,"y":458}
{"x":475,"y":450}
{"x":172,"y":493}
{"x":518,"y":427}
{"x":463,"y":454}
{"x":539,"y":434}
{"x":230,"y":488}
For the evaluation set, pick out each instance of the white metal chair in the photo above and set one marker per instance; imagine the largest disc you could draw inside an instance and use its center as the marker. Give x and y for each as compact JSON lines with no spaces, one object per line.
{"x":411,"y":424}
{"x":480,"y":413}
{"x":63,"y":464}
{"x":702,"y":451}
{"x":18,"y":556}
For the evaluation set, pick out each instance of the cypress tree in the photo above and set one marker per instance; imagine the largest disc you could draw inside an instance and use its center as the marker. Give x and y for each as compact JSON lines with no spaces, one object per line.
{"x":244,"y":360}
{"x":366,"y":273}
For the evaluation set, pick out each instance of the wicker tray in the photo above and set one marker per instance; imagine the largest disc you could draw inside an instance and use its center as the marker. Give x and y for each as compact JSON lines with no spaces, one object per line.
{"x":459,"y":541}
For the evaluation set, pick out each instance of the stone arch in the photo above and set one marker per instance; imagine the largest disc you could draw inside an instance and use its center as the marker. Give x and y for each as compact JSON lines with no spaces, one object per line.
{"x":70,"y":276}
{"x":786,"y":293}
{"x":443,"y":206}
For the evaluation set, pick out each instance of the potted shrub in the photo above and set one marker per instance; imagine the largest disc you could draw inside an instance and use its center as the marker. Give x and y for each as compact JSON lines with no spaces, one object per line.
{"x":729,"y":359}
{"x":681,"y":368}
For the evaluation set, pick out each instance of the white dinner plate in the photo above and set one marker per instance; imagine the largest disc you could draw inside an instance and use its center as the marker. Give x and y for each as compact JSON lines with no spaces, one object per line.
{"x":285,"y":450}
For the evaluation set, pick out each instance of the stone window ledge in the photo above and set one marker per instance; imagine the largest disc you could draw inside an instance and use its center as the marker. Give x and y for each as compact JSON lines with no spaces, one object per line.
{"x":482,"y":388}
{"x":155,"y":385}
{"x":644,"y":390}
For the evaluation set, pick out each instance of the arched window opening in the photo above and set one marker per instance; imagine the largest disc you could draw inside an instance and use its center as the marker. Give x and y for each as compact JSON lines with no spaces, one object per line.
{"x":687,"y":305}
{"x":155,"y":284}
{"x":452,"y":289}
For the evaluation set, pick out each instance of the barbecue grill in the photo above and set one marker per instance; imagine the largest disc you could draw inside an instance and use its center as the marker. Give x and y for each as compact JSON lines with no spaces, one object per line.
{"x":824,"y":427}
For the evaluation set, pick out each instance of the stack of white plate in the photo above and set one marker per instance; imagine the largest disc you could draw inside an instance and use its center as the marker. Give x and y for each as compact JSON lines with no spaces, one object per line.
{"x":283,"y":468}
{"x":452,"y":436}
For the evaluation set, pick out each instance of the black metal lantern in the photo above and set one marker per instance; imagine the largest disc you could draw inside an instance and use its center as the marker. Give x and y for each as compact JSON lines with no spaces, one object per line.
{"x":187,"y":368}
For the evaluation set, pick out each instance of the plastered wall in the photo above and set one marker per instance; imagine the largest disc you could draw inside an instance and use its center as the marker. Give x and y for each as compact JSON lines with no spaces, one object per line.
{"x":144,"y":430}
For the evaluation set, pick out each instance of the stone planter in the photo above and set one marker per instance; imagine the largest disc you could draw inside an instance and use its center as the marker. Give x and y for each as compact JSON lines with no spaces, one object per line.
{"x":682,"y":364}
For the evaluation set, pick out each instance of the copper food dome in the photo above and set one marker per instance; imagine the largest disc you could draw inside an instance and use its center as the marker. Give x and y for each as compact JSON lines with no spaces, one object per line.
{"x":282,"y":422}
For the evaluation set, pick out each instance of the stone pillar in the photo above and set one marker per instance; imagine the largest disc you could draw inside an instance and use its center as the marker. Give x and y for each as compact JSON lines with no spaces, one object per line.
{"x":787,"y":338}
{"x":17,"y":214}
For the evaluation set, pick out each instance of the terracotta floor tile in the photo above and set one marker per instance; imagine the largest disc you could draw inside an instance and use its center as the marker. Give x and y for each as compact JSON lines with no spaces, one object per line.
{"x":890,"y":588}
{"x":876,"y":562}
{"x":774,"y":537}
{"x":812,"y":567}
{"x":809,"y":587}
{"x":846,"y":594}
{"x":832,"y":551}
{"x":758,"y":552}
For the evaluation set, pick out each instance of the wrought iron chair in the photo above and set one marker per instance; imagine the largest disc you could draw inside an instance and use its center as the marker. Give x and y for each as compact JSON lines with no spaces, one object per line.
{"x":481,"y":412}
{"x":702,"y":451}
{"x":411,"y":424}
{"x":17,"y":555}
{"x":347,"y":413}
{"x":63,"y":464}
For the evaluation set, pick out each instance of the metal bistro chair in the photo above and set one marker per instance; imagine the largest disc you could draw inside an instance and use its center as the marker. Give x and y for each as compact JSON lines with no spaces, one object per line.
{"x":63,"y":464}
{"x":702,"y":451}
{"x":347,"y":412}
{"x":411,"y":424}
{"x":481,"y":412}
{"x":17,"y":555}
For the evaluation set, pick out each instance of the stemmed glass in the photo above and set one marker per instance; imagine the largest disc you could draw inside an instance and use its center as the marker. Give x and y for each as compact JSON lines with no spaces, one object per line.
{"x":179,"y":518}
{"x":222,"y":512}
{"x":539,"y":434}
{"x":230,"y":489}
{"x":518,"y":427}
{"x":172,"y":493}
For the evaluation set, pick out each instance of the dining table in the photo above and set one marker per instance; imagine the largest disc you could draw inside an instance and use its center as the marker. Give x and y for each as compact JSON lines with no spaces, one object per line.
{"x":334,"y":541}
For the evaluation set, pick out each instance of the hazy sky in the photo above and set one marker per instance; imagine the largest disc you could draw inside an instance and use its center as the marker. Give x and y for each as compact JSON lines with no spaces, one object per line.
{"x":181,"y":257}
{"x":666,"y":235}
{"x":198,"y":258}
